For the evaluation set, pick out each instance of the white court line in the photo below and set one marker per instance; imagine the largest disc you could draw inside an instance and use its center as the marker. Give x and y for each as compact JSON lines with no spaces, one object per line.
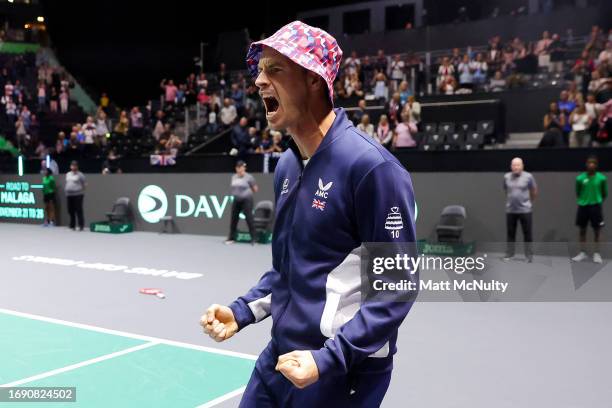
{"x":223,"y":398}
{"x":78,"y":365}
{"x":129,"y":335}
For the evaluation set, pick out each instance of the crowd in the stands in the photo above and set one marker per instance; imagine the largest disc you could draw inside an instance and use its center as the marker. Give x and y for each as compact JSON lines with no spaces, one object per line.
{"x":583,"y":114}
{"x":230,"y":101}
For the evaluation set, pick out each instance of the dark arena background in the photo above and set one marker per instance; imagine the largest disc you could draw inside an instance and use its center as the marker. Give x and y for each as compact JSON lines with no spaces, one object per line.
{"x":125,"y":127}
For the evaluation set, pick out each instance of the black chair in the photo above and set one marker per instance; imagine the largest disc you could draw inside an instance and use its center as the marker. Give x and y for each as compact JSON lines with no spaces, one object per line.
{"x":469,"y":146}
{"x":465,"y":126}
{"x":120,"y":212}
{"x":456,"y":139}
{"x":263,"y":216}
{"x":475,"y":138}
{"x":451,"y":224}
{"x":446,"y":128}
{"x":486,"y":127}
{"x":430,"y":128}
{"x":435,"y":139}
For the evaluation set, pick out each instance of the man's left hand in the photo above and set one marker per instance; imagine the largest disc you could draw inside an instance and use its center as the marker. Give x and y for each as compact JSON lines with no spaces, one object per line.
{"x":299,"y":367}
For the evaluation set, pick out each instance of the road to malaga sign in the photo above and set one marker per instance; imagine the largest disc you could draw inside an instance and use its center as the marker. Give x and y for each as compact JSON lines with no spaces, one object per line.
{"x":153,"y":204}
{"x":20,"y":200}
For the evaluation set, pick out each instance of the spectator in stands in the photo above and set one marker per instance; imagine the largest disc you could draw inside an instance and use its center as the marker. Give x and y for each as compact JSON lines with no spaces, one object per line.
{"x":136,"y":120}
{"x":212,"y":126}
{"x":365,"y":126}
{"x":508,"y":57}
{"x":404,"y":131}
{"x":158,"y":124}
{"x":521,"y":190}
{"x":494,"y":53}
{"x":445,"y":72}
{"x":64,"y":97}
{"x":358,"y":91}
{"x":111,"y":164}
{"x":566,"y":106}
{"x":42,"y":96}
{"x":202,"y":82}
{"x":61,"y":144}
{"x":480,"y":69}
{"x":605,"y":56}
{"x":53,"y":100}
{"x":89,"y":131}
{"x":352,"y":64}
{"x":398,"y":74}
{"x":41,"y":150}
{"x":277,"y":142}
{"x":101,"y":126}
{"x":541,"y":50}
{"x":74,"y":146}
{"x":240,"y":138}
{"x":381,"y":61}
{"x":449,"y":86}
{"x":383,"y":134}
{"x":604,"y":123}
{"x":600,"y":85}
{"x":573,"y":94}
{"x":582,"y":69}
{"x":581,"y":123}
{"x":265,"y":144}
{"x":557,"y":50}
{"x":380,"y":86}
{"x":497,"y":83}
{"x":21,"y":132}
{"x":466,"y":73}
{"x":553,"y":125}
{"x":173,"y":144}
{"x":75,"y":191}
{"x":104,"y":102}
{"x":223,"y":76}
{"x":456,"y":58}
{"x":228,"y":113}
{"x":48,"y":190}
{"x":359,"y":112}
{"x":593,"y":108}
{"x":170,"y":91}
{"x":123,"y":124}
{"x":405,"y":92}
{"x":394,"y":109}
{"x":367,"y":71}
{"x":237,"y":96}
{"x":591,"y":191}
{"x":414,"y":109}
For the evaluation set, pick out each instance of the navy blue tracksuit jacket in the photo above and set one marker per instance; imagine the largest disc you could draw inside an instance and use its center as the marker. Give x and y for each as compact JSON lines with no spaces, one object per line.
{"x":350,"y":191}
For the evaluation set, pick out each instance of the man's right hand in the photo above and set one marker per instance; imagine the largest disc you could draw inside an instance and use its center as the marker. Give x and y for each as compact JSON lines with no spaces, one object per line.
{"x":219,"y":322}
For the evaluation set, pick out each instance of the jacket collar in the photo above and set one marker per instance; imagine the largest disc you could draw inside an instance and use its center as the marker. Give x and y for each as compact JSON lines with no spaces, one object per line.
{"x":340,"y":124}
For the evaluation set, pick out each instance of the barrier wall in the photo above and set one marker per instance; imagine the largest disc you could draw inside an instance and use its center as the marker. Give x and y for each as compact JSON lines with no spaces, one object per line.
{"x":200,"y":203}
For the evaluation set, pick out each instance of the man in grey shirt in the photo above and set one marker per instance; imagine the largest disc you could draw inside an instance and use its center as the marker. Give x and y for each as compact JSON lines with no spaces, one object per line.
{"x":75,"y":191}
{"x":521,"y":189}
{"x":242,"y":189}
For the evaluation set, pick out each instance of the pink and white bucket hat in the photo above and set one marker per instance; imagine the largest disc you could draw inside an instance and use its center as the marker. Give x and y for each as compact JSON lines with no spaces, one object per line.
{"x":310,"y":47}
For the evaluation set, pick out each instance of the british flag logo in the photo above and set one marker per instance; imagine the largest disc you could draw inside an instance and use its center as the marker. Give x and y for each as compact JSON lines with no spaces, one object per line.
{"x":318,"y":204}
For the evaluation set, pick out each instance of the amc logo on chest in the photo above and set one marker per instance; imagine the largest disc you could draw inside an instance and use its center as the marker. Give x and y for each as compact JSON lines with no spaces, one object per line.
{"x":323,"y":190}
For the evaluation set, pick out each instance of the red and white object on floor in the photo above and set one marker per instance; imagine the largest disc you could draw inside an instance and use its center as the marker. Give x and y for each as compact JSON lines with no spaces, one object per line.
{"x":153,"y":291}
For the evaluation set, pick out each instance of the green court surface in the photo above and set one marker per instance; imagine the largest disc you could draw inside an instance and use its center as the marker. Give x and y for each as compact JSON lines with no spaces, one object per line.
{"x":114,"y":370}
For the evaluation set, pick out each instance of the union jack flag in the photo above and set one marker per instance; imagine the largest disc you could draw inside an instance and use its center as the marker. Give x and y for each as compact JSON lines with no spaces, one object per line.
{"x":318,"y":204}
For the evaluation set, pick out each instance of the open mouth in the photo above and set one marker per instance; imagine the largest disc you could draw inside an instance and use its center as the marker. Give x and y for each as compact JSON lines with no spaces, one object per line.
{"x":271,"y":104}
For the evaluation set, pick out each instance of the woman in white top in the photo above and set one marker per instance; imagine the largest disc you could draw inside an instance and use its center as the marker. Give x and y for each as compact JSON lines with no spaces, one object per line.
{"x":365,"y":126}
{"x":581,"y":122}
{"x":383,"y":134}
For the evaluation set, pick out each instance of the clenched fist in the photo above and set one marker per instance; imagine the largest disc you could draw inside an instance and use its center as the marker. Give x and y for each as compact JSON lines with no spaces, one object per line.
{"x":219,"y":322}
{"x":299,"y":367}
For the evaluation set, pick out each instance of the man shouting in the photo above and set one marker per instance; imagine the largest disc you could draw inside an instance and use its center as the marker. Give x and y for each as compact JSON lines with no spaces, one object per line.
{"x":335,"y":189}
